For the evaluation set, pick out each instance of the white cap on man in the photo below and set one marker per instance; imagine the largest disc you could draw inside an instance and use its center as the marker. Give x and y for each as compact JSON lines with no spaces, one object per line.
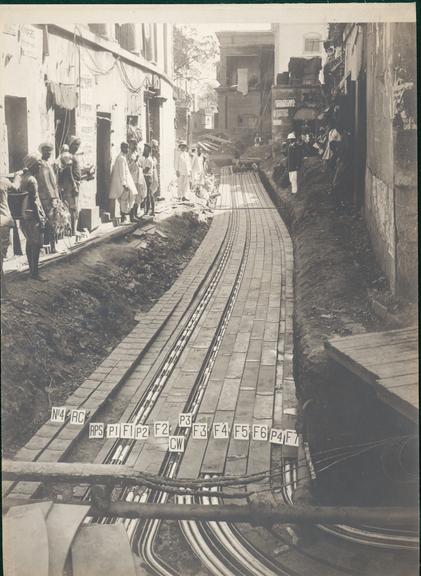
{"x":291,"y":136}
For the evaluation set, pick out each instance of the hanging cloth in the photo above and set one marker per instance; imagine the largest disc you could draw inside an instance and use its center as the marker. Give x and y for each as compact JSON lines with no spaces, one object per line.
{"x":243,"y":75}
{"x":62,"y":95}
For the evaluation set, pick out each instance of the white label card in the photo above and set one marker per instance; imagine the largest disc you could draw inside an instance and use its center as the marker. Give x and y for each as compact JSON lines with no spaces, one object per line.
{"x":176,"y":443}
{"x":185,"y":420}
{"x":126,"y":430}
{"x":77,"y":417}
{"x":113,"y":430}
{"x":141,"y":431}
{"x":260,"y":432}
{"x":291,"y":438}
{"x":241,"y":431}
{"x":221,"y":430}
{"x":276,"y":436}
{"x":161,"y":429}
{"x":58,"y":414}
{"x":200,"y":431}
{"x":96,"y":430}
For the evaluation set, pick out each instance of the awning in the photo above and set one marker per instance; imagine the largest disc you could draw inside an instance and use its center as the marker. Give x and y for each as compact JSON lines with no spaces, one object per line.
{"x":305,"y":114}
{"x":62,"y":95}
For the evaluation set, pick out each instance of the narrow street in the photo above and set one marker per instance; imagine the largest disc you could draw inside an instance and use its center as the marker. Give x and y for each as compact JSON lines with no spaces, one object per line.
{"x":217,"y":346}
{"x":209,"y":290}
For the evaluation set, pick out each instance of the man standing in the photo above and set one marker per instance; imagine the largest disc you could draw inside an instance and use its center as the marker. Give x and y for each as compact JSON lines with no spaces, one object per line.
{"x":33,"y":217}
{"x":122,"y":186}
{"x":294,"y":161}
{"x":6,"y":223}
{"x":69,"y":180}
{"x":183,"y":171}
{"x":148,"y":167}
{"x":198,"y":168}
{"x":134,"y":162}
{"x":48,"y":193}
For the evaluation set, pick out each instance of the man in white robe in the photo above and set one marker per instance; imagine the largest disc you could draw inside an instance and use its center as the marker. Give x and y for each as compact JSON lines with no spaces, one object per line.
{"x":183,"y":172}
{"x":198,"y":168}
{"x":122,"y":185}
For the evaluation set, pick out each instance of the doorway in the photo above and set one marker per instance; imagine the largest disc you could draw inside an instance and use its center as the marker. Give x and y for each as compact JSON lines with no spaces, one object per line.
{"x":103,"y":158}
{"x":64,"y":126}
{"x":16,"y":116}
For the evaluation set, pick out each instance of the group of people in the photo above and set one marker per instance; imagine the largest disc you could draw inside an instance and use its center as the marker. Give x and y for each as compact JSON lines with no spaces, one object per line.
{"x":190,"y":168}
{"x":331,"y":144}
{"x":134,"y":179}
{"x":45,"y":198}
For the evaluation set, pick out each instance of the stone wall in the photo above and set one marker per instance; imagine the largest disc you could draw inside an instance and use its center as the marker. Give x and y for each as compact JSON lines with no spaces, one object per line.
{"x":391,"y":169}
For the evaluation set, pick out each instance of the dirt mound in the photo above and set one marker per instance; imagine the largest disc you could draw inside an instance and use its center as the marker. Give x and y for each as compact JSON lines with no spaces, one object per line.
{"x":55,"y":334}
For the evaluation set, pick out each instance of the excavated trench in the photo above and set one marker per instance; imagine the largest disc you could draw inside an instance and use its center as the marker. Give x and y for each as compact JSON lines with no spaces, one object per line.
{"x":55,"y":334}
{"x":334,"y":273}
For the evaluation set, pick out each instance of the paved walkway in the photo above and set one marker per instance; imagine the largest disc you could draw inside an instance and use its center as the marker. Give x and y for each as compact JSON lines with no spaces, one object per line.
{"x":217,"y":344}
{"x":68,"y":245}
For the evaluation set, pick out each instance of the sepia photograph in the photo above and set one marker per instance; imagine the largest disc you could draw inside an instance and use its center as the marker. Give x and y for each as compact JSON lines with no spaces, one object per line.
{"x":209,"y":289}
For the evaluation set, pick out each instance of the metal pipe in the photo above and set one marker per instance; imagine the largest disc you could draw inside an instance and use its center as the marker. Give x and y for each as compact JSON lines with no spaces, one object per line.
{"x":254,"y":514}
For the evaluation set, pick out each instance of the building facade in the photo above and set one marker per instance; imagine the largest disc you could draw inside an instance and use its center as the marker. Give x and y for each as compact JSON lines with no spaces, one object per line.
{"x":102,"y":82}
{"x":245,"y":75}
{"x":298,"y":41}
{"x":371,"y":75}
{"x":297,"y":96}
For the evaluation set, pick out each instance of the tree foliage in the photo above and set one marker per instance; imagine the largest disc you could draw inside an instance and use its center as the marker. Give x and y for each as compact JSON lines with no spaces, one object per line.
{"x":193,"y":52}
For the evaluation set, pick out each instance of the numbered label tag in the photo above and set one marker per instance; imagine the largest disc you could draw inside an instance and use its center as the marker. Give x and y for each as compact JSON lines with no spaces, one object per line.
{"x":96,"y":430}
{"x":161,"y":429}
{"x":291,"y":438}
{"x":276,"y":436}
{"x":221,"y":430}
{"x":77,"y":417}
{"x":200,"y":431}
{"x":260,"y":432}
{"x":126,"y":430}
{"x":185,"y":420}
{"x":241,"y":431}
{"x":141,"y":431}
{"x":176,"y":444}
{"x":113,"y":430}
{"x":58,"y":414}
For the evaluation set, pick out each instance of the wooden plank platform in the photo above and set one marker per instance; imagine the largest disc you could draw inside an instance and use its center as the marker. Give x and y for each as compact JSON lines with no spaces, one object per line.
{"x":114,"y":555}
{"x":388,"y":361}
{"x":25,"y":543}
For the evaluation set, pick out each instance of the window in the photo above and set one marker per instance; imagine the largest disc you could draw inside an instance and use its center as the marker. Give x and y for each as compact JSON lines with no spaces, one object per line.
{"x":247,"y":121}
{"x":312,"y":43}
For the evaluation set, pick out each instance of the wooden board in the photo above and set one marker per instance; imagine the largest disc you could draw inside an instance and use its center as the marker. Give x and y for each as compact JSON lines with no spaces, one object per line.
{"x":25,"y":542}
{"x":388,"y":361}
{"x":102,"y":549}
{"x":63,"y":521}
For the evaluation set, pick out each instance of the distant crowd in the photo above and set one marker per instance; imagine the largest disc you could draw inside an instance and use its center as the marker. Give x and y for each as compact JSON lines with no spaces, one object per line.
{"x":330,"y":143}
